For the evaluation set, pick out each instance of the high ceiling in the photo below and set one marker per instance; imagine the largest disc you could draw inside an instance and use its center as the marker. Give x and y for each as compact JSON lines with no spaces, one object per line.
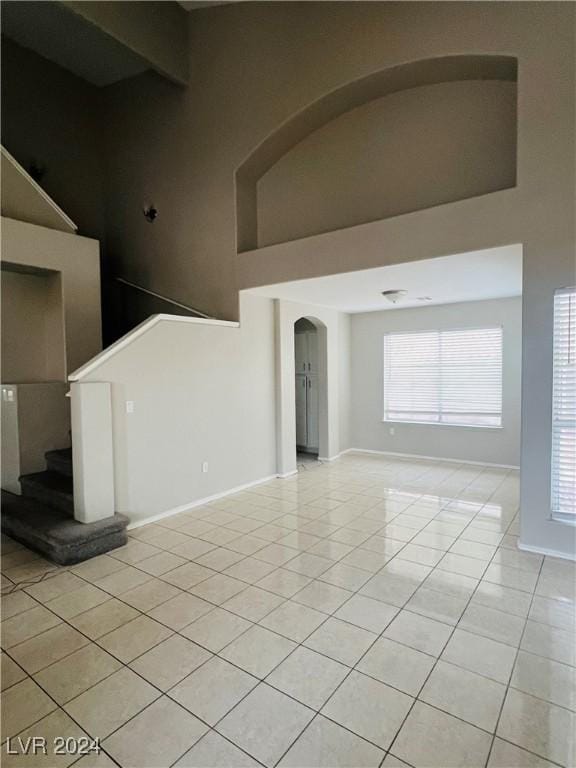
{"x":55,"y":33}
{"x":101,"y":44}
{"x":488,"y":274}
{"x":192,"y":5}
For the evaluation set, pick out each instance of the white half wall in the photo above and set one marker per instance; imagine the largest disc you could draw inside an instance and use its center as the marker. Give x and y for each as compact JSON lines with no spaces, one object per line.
{"x":199,"y":392}
{"x":92,"y":450}
{"x":369,"y":431}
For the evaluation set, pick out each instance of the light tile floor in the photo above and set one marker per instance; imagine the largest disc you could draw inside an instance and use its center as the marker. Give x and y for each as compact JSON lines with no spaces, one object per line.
{"x":367,"y":612}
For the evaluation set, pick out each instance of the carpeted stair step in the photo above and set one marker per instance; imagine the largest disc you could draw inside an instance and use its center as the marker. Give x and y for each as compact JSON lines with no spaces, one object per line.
{"x":50,"y":489}
{"x":55,"y":534}
{"x":60,"y":461}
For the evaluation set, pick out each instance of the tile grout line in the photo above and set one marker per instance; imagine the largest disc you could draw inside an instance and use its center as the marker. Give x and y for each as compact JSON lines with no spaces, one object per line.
{"x":371,"y":574}
{"x":517,"y":648}
{"x":513,"y":667}
{"x":354,"y":669}
{"x":193,"y":622}
{"x":296,"y":700}
{"x":417,"y":697}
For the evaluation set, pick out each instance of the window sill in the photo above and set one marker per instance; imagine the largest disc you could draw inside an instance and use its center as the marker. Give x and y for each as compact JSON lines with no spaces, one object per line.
{"x":443,"y":424}
{"x":565,"y":519}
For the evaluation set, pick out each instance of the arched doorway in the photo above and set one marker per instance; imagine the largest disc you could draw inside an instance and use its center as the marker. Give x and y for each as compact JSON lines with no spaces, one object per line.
{"x":307,"y":391}
{"x":287,"y":315}
{"x":310,"y":390}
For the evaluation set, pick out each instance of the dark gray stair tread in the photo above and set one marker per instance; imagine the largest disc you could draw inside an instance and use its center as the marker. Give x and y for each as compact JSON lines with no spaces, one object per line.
{"x":49,"y":488}
{"x":50,"y":480}
{"x":55,"y":534}
{"x":60,"y":461}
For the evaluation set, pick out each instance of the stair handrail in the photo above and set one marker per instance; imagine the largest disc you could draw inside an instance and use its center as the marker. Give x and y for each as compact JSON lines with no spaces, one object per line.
{"x":163,"y":298}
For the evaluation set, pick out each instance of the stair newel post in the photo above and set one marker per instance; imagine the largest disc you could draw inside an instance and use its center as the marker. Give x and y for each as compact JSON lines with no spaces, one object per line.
{"x":92,"y":450}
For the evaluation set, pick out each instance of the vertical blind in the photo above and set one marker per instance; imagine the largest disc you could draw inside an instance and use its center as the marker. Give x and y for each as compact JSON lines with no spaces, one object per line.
{"x":564,"y":405}
{"x":444,"y":377}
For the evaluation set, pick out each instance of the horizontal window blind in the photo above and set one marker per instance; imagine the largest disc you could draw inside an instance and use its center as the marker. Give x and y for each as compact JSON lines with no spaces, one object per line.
{"x":564,"y":405}
{"x":444,"y":377}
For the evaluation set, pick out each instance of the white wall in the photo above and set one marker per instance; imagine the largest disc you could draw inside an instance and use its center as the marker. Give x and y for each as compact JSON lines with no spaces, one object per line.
{"x":497,"y":446}
{"x":216,"y":393}
{"x":345,"y":380}
{"x":201,"y":393}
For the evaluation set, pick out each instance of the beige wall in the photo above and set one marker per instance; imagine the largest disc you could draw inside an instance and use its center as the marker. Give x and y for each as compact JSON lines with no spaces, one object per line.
{"x":77,"y":262}
{"x":154,"y":30}
{"x":255,"y":66}
{"x":33,"y":345}
{"x":258,"y":65}
{"x":51,"y":118}
{"x":404,"y":152}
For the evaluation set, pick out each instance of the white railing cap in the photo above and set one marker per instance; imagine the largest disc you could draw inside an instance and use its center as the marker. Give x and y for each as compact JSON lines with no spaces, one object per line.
{"x":138,"y":331}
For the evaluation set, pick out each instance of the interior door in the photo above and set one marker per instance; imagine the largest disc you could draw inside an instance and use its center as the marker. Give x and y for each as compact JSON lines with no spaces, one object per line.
{"x":312,"y":420}
{"x":301,"y":397}
{"x":300,"y":352}
{"x":312,"y":351}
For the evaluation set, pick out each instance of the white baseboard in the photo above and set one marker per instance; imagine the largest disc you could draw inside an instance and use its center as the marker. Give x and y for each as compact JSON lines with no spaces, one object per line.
{"x":200,"y":502}
{"x":246,"y":486}
{"x":547,"y":552}
{"x":430,"y":458}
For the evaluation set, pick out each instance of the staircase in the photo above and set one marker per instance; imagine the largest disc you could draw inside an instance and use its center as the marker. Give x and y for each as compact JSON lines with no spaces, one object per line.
{"x":53,"y":487}
{"x":60,"y":461}
{"x":42,"y":518}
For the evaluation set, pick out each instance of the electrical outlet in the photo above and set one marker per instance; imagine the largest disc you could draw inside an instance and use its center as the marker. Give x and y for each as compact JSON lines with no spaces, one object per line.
{"x":392,"y":431}
{"x":129,"y":406}
{"x":204,"y":466}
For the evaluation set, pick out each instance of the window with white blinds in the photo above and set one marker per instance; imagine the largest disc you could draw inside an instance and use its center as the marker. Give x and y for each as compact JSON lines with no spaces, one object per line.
{"x":444,"y":377}
{"x":564,"y":406}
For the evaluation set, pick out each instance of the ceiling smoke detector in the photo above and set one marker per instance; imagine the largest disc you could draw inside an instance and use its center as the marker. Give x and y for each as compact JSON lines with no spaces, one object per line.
{"x":394,"y":296}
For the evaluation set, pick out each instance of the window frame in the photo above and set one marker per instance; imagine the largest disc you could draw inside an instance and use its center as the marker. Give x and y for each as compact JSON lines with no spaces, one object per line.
{"x":498,"y":326}
{"x":557,"y":516}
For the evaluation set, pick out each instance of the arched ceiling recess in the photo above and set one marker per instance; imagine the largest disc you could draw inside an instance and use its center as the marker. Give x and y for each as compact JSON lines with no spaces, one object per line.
{"x":343,"y":99}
